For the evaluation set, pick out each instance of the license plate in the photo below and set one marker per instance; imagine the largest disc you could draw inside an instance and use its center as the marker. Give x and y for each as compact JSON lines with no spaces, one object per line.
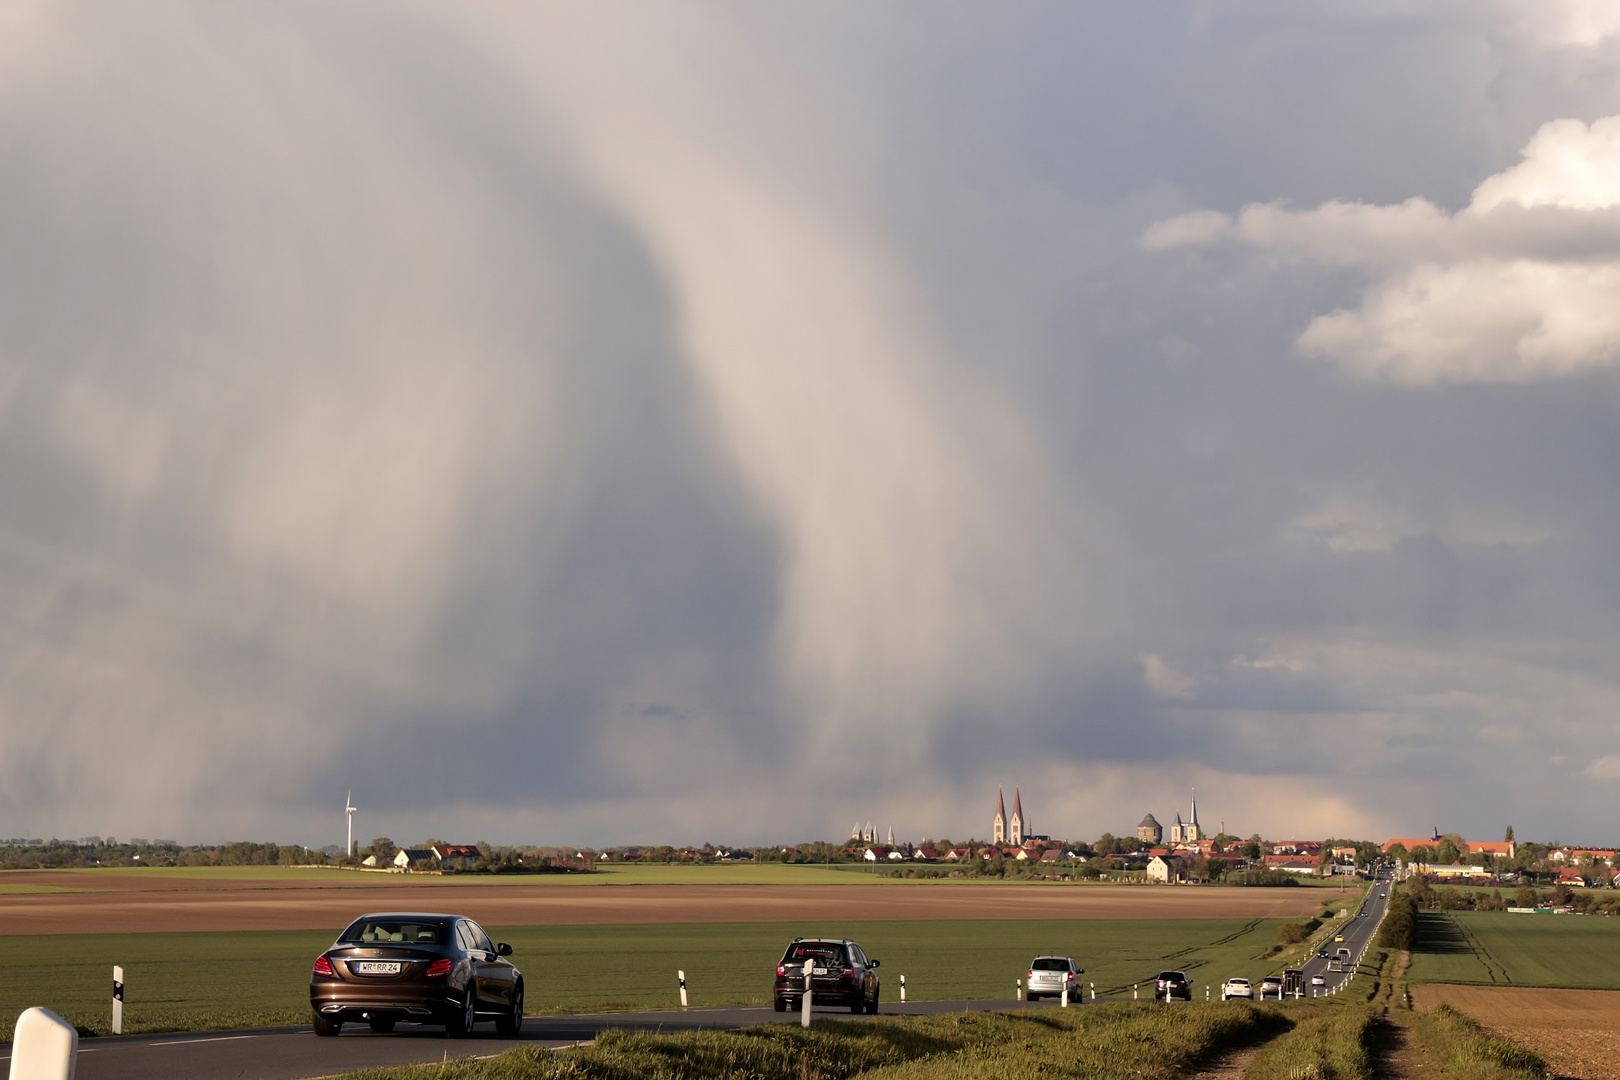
{"x":377,"y":967}
{"x":818,"y":971}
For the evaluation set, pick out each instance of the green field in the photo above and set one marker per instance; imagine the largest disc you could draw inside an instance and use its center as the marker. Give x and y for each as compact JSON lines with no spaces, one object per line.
{"x":1501,"y":949}
{"x":202,"y":980}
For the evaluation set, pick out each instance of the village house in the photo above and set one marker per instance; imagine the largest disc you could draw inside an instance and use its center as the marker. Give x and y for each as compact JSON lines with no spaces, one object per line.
{"x":415,"y":858}
{"x":456,"y":856}
{"x":1167,"y":869}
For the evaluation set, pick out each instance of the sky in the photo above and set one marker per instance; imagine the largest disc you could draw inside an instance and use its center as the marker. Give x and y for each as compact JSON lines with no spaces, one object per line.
{"x":608,"y":424}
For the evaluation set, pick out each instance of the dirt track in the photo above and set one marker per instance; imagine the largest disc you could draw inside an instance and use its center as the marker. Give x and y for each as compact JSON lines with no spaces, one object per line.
{"x":136,"y":905}
{"x":1577,"y":1031}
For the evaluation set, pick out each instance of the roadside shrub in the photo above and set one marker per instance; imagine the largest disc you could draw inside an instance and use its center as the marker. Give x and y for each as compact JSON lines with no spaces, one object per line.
{"x":1294,"y":932}
{"x":1399,"y":930}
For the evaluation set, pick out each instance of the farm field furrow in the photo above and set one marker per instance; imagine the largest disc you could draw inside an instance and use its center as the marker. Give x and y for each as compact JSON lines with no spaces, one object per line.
{"x":201,"y":980}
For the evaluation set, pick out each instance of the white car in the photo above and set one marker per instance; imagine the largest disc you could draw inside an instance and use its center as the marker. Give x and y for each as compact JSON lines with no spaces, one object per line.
{"x":1049,"y":976}
{"x":1237,"y":988}
{"x":1317,"y":980}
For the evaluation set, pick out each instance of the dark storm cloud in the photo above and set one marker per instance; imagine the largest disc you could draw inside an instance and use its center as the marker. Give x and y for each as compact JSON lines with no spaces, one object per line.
{"x":671,"y":425}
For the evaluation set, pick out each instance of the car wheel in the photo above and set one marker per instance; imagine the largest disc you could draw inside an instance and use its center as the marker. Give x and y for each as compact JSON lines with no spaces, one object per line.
{"x":382,"y":1025}
{"x":462,"y":1026}
{"x":877,"y":992}
{"x":512,"y":1022}
{"x":779,"y":1003}
{"x":324,"y":1027}
{"x":858,"y":1006}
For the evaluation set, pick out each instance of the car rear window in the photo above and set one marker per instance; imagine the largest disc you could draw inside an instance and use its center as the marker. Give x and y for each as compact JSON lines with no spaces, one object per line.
{"x":815,"y":950}
{"x":1049,"y":964}
{"x":1171,"y":975}
{"x":394,"y":931}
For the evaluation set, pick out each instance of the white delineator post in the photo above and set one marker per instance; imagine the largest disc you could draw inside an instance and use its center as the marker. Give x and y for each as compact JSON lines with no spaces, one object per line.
{"x":682,"y":976}
{"x":118,"y":1000}
{"x":1065,"y":993}
{"x":1134,"y":988}
{"x":804,"y":1017}
{"x":45,"y":1047}
{"x":902,"y":989}
{"x":1018,"y":988}
{"x":1093,"y":991}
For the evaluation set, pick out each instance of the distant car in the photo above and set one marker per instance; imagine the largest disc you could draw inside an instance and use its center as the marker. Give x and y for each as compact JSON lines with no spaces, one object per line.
{"x":840,"y":974}
{"x":1048,"y":975}
{"x":1317,"y":980}
{"x":1364,"y":914}
{"x":1338,"y":937}
{"x":420,"y":969}
{"x":1237,"y":988}
{"x":1321,"y":954}
{"x":1171,"y":985}
{"x":1271,"y":984}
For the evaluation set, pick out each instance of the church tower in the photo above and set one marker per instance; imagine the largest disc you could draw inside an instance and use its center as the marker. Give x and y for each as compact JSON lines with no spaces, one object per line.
{"x":1016,"y":829}
{"x":1191,"y":831}
{"x":998,"y":831}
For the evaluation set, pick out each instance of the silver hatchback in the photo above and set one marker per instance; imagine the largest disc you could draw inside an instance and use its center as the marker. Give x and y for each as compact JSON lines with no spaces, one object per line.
{"x":1048,"y":975}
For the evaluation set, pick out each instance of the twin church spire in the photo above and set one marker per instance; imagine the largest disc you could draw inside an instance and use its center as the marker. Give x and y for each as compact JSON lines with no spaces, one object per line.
{"x":1009,"y":830}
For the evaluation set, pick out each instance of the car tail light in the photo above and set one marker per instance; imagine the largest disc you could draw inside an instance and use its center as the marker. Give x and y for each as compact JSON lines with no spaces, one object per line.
{"x":781,"y":969}
{"x":323,"y":966}
{"x":1031,"y":975}
{"x":438,"y":967}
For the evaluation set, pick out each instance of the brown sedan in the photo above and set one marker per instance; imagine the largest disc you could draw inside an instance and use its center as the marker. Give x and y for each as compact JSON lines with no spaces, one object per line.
{"x":417,"y":968}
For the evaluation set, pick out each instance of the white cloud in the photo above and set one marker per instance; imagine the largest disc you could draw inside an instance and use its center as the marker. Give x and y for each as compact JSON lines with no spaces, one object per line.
{"x":1606,"y":767}
{"x":1519,"y":285}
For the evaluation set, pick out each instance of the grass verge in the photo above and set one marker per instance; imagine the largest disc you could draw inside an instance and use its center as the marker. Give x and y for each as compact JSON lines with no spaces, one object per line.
{"x":1108,"y":1042}
{"x":1466,"y":1052}
{"x":1326,"y":1044}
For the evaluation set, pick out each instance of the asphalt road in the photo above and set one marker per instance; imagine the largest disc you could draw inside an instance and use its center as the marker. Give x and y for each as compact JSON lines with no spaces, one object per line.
{"x":1358,"y":934}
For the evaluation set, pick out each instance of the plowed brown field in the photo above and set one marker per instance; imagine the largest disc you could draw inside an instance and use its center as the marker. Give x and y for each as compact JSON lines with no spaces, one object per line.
{"x":1577,"y":1031}
{"x":143,"y":905}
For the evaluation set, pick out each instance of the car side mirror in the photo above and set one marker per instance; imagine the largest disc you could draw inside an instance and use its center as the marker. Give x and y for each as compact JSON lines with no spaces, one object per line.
{"x":1079,"y":971}
{"x":877,"y":963}
{"x":503,"y":949}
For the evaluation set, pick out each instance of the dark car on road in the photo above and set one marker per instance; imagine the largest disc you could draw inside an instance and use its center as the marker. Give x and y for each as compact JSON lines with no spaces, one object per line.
{"x":1172,"y":984}
{"x":395,"y":967}
{"x":840,"y":974}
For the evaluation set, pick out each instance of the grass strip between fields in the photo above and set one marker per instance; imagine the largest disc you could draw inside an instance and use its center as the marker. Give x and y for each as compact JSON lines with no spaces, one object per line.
{"x":1109,"y":1042}
{"x":1466,"y":1052}
{"x":1327,"y":1044}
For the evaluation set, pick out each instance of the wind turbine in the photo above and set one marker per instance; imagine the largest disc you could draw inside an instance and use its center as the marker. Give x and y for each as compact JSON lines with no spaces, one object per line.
{"x":349,"y":808}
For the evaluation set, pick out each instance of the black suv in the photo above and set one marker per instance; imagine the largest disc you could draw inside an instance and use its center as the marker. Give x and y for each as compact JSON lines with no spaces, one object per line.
{"x":840,"y":974}
{"x":1172,"y":984}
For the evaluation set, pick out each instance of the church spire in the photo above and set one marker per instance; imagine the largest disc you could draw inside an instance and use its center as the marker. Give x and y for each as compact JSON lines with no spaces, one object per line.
{"x":998,"y":830}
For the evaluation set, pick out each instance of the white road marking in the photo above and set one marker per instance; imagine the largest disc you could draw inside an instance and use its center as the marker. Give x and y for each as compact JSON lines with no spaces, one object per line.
{"x":221,"y":1038}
